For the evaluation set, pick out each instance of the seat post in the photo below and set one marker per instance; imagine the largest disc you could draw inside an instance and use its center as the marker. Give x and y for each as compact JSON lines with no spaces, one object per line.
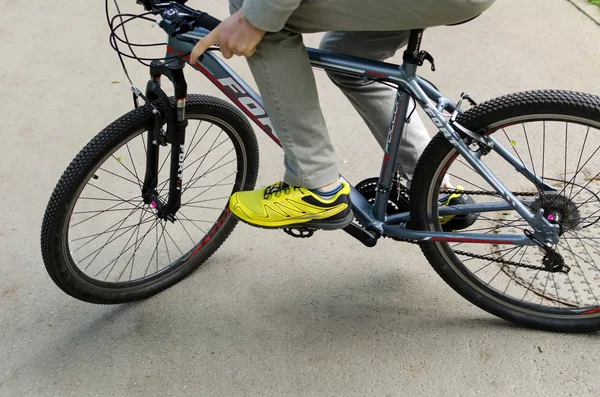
{"x":411,"y":55}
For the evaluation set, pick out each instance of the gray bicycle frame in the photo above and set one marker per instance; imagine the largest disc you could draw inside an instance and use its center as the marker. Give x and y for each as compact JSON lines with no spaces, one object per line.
{"x":409,"y":86}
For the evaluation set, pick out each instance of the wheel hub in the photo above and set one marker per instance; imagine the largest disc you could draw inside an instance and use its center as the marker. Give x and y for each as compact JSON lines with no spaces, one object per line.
{"x":160,"y":206}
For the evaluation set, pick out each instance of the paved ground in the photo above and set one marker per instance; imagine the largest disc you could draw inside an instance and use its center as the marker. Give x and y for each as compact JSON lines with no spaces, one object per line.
{"x":319,"y":317}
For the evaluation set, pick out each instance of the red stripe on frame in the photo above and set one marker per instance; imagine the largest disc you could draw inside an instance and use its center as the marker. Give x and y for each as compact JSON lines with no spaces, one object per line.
{"x":469,"y":240}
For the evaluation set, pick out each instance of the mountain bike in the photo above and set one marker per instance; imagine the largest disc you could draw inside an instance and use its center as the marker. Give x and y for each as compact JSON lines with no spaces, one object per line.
{"x":122,"y":225}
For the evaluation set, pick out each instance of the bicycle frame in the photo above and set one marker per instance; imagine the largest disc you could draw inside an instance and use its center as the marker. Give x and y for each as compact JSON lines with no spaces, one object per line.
{"x":409,"y":86}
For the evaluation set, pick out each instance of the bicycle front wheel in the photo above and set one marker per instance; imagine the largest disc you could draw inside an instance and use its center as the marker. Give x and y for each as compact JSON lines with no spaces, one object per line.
{"x":102,"y":243}
{"x":556,"y":134}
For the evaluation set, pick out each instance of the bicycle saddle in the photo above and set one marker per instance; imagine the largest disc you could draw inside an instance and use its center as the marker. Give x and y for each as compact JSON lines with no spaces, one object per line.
{"x":463,"y":22}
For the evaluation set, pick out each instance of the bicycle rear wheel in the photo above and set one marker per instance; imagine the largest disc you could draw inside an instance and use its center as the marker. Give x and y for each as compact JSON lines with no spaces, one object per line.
{"x":102,"y":244}
{"x":556,"y":134}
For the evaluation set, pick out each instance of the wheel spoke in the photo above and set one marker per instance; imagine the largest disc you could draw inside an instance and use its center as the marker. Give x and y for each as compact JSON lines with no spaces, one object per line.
{"x":514,"y":146}
{"x":207,"y":172}
{"x":213,"y":185}
{"x":135,"y":244}
{"x":188,"y":233}
{"x":193,"y":222}
{"x":539,"y":188}
{"x":109,"y":241}
{"x":98,"y":235}
{"x":582,"y":273}
{"x":174,"y":243}
{"x":201,"y":158}
{"x":543,"y":294}
{"x":543,"y":150}
{"x":203,"y":207}
{"x":530,"y":284}
{"x":165,"y":242}
{"x":118,"y":159}
{"x":211,"y":169}
{"x":210,"y":187}
{"x":132,"y":257}
{"x":579,"y":160}
{"x":202,"y":162}
{"x":495,"y":260}
{"x":465,"y":181}
{"x":515,"y":272}
{"x":504,"y":264}
{"x":164,"y":162}
{"x":191,"y":149}
{"x":155,"y":252}
{"x":206,"y":200}
{"x":133,"y":164}
{"x":575,"y":175}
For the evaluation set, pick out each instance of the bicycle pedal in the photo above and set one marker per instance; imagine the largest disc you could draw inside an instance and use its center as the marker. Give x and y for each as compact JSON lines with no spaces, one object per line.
{"x":300,"y":232}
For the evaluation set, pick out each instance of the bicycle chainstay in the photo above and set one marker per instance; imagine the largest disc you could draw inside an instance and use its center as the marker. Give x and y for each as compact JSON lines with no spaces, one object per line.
{"x":484,"y":257}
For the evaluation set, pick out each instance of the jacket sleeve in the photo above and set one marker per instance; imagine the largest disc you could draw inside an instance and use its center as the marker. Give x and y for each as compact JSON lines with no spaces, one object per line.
{"x":269,"y":15}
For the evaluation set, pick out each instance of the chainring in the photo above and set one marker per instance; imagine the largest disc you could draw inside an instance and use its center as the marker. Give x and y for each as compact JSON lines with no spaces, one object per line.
{"x":398,"y":202}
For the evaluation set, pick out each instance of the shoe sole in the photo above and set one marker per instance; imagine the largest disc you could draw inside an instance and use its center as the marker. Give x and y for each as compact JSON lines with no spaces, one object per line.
{"x":322,"y":224}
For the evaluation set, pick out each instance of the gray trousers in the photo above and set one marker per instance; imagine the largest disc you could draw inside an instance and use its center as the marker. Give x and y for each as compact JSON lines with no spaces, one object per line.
{"x":373,"y":29}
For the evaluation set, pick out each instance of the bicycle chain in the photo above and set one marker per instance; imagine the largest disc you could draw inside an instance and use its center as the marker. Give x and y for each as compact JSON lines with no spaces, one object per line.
{"x":499,"y":260}
{"x":486,"y":193}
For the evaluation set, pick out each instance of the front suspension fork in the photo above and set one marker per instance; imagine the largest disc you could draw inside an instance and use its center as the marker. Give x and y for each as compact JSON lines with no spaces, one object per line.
{"x":175,"y":136}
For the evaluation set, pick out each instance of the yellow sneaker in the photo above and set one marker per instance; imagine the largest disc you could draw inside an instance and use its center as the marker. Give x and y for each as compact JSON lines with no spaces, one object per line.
{"x":282,"y":206}
{"x":452,"y":223}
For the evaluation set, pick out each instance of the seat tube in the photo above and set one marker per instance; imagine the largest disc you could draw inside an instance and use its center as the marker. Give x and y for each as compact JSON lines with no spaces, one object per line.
{"x":392,"y":147}
{"x":395,"y":134}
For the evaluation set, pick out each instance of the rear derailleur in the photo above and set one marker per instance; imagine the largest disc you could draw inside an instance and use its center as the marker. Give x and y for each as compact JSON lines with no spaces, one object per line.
{"x":552,"y":262}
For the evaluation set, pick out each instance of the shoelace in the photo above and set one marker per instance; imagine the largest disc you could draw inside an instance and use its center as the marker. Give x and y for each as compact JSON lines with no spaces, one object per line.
{"x":277,"y":188}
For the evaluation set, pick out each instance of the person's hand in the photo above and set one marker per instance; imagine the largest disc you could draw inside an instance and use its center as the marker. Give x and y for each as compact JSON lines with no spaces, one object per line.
{"x":235,"y":35}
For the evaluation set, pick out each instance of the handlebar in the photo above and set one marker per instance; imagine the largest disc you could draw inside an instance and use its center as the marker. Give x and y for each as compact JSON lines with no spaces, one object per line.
{"x":207,"y":22}
{"x":181,"y":17}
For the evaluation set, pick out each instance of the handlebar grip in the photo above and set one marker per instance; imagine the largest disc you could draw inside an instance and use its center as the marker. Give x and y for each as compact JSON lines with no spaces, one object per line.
{"x":207,"y":22}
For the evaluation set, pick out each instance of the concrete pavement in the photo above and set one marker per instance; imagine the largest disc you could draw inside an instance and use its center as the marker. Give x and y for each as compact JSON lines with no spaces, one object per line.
{"x":320,"y":317}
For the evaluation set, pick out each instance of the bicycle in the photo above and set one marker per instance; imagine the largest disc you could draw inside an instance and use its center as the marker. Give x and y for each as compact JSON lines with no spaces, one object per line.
{"x":537,"y":212}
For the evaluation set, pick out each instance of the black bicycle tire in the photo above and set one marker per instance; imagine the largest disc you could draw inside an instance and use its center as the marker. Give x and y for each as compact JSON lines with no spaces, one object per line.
{"x":63,"y":273}
{"x":439,"y":255}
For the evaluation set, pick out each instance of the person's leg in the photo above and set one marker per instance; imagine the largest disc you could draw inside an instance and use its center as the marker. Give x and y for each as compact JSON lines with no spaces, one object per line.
{"x":284,"y":77}
{"x":289,"y":92}
{"x":374,"y":101}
